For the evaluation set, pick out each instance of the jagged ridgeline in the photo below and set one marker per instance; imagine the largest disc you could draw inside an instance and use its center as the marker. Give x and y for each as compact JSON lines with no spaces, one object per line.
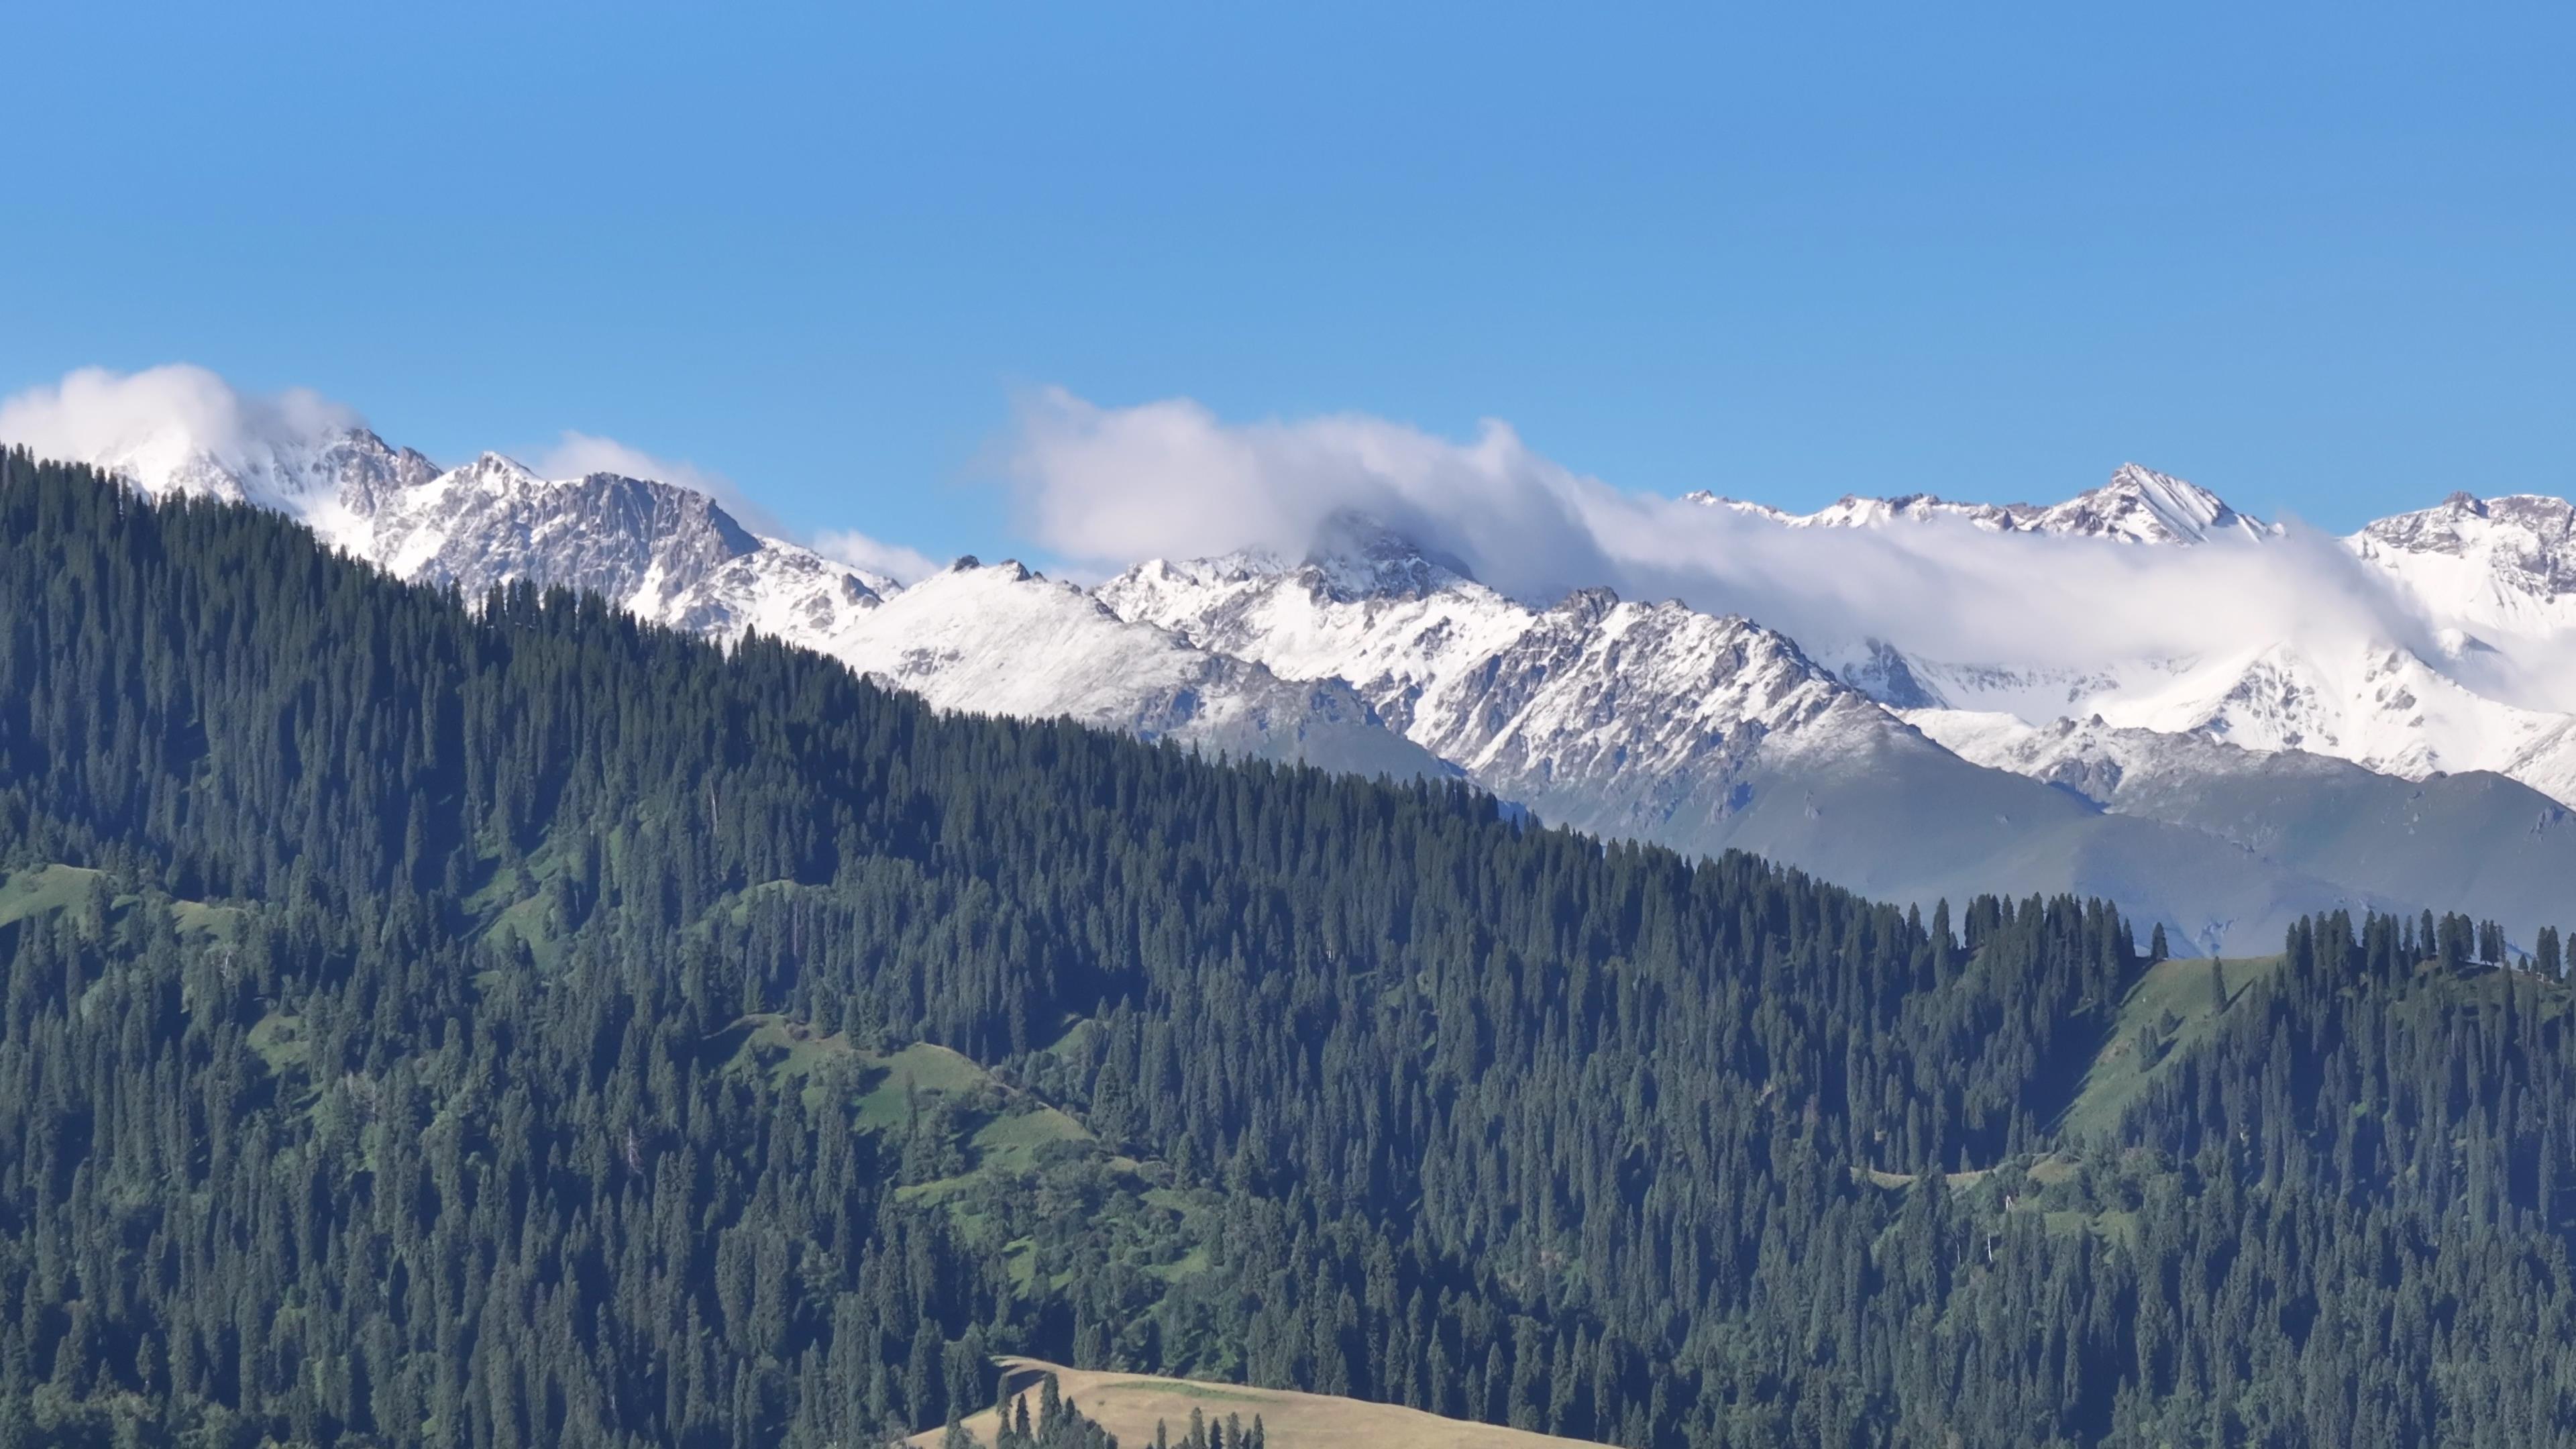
{"x":512,"y":1024}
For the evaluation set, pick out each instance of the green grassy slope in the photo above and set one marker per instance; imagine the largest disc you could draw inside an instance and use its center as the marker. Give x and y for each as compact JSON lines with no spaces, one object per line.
{"x":2172,"y":1009}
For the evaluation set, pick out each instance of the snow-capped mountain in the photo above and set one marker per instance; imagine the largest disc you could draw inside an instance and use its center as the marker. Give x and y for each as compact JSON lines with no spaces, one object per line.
{"x":2493,"y":583}
{"x":2477,"y":843}
{"x":2380,"y":705}
{"x":2138,"y":505}
{"x":322,"y":473}
{"x":665,"y":553}
{"x":2220,"y":790}
{"x":1698,"y":731}
{"x":2501,"y":565}
{"x":1531,"y":701}
{"x":1656,"y":721}
{"x":996,"y":640}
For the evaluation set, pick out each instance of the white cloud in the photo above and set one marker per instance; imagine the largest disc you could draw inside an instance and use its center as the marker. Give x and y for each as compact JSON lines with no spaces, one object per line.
{"x":150,"y":423}
{"x":849,"y":546}
{"x":1169,"y":479}
{"x":1109,"y":486}
{"x":1102,"y":488}
{"x":577,"y":454}
{"x":112,"y":418}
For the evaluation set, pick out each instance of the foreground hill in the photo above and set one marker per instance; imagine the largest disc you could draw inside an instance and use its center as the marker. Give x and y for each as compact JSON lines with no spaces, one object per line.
{"x":522,"y":1025}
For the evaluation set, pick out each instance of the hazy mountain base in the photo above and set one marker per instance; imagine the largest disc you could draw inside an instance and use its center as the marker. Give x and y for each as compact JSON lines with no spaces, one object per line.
{"x":1898,"y":818}
{"x":2478,"y":843}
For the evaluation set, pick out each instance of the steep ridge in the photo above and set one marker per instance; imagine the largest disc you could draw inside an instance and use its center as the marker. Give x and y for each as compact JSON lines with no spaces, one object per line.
{"x":2494,"y":579}
{"x":2380,"y":705}
{"x":2500,"y":564}
{"x":1704,"y":733}
{"x":2137,"y":505}
{"x":2477,"y":843}
{"x":665,"y":553}
{"x":1000,"y":640}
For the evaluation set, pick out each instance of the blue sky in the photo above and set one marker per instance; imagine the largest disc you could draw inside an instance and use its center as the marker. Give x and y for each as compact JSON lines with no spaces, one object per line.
{"x":2322,"y":259}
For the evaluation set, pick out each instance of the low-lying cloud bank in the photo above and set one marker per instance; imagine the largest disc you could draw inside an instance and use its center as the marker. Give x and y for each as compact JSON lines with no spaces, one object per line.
{"x":1108,"y":486}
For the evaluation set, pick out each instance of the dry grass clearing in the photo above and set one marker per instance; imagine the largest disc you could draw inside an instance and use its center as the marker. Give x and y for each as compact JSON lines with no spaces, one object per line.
{"x":1128,"y":1405}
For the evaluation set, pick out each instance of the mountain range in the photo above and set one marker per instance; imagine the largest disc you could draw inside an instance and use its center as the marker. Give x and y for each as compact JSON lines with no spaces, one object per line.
{"x":2220,"y":794}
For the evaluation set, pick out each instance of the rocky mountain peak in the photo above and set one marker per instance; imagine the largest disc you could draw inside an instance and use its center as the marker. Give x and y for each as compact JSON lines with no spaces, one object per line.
{"x":2137,"y":505}
{"x":1356,"y":556}
{"x":2463,"y":522}
{"x":2140,"y":505}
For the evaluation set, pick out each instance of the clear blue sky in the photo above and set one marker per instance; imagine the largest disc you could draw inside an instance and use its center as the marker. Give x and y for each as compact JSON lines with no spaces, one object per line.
{"x":2322,"y":258}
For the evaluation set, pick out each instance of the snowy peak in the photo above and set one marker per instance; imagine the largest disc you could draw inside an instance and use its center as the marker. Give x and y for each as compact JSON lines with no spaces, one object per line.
{"x":1353,"y":559}
{"x":2506,"y":564}
{"x":356,"y":469}
{"x":1355,"y":556}
{"x":983,"y":638}
{"x":1854,"y":510}
{"x":496,"y":473}
{"x":666,"y":553}
{"x":1706,"y":499}
{"x":295,"y":473}
{"x":1533,"y":703}
{"x":493,"y":520}
{"x":2100,"y":761}
{"x":999,"y":639}
{"x":2138,"y":505}
{"x":1850,"y":511}
{"x":2529,"y":536}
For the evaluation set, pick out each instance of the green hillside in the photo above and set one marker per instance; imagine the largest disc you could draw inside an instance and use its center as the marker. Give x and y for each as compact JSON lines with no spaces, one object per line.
{"x":2174,"y":1006}
{"x":508,"y":1024}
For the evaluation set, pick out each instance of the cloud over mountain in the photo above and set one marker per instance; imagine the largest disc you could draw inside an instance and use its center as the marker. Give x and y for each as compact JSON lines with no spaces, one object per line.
{"x":1171,"y":479}
{"x":858,"y":550}
{"x":2144,"y":614}
{"x":97,"y":413}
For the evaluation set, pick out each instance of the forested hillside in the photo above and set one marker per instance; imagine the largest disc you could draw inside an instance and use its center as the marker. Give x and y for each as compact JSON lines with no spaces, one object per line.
{"x":513,"y":1025}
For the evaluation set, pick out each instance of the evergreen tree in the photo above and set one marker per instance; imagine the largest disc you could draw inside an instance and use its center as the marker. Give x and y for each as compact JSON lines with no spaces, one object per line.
{"x":500,"y":1022}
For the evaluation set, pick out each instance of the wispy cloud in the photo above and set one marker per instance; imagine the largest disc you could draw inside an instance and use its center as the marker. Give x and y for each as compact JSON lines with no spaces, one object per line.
{"x":1171,"y":479}
{"x":849,"y":546}
{"x":1109,"y":486}
{"x":151,"y":421}
{"x":98,"y":415}
{"x":1104,"y":487}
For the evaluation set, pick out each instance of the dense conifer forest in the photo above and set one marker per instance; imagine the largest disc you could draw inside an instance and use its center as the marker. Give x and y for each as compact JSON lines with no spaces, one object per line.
{"x":494,"y":1022}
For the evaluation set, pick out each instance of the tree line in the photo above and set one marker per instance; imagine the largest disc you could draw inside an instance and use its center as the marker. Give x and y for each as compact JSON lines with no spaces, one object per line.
{"x":372,"y":1071}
